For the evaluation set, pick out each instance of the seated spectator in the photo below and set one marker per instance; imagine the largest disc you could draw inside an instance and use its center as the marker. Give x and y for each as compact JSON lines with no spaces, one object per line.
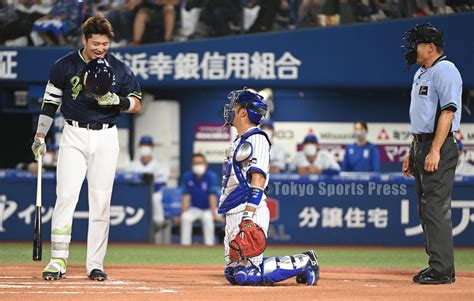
{"x":122,"y":16}
{"x":149,"y":166}
{"x":313,"y":160}
{"x":199,"y":201}
{"x":361,"y":155}
{"x":267,"y":12}
{"x":308,"y":12}
{"x":61,"y":23}
{"x":16,"y":21}
{"x":222,"y":16}
{"x":465,"y":166}
{"x":278,"y":155}
{"x":161,"y":11}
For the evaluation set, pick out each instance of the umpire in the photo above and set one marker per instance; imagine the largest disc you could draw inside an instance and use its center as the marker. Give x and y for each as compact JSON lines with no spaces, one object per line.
{"x":435,"y":113}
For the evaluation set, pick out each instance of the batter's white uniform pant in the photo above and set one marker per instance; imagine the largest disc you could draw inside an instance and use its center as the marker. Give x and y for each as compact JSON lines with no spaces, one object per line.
{"x":207,"y":221}
{"x":92,"y":154}
{"x":232,"y":221}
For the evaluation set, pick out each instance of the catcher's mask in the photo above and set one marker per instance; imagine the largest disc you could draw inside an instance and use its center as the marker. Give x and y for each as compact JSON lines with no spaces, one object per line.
{"x":97,"y":77}
{"x":248,"y":99}
{"x":424,"y":33}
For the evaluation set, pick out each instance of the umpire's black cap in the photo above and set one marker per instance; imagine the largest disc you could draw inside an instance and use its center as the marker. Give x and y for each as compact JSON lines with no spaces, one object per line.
{"x":425,"y":33}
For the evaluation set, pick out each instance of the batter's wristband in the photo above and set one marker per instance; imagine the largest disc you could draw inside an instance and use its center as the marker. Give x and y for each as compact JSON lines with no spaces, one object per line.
{"x":124,"y":103}
{"x":44,"y":124}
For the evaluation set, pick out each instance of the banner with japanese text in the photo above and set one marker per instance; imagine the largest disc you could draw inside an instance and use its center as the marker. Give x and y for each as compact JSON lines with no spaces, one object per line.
{"x":297,"y":58}
{"x":352,"y":211}
{"x":130,"y":213}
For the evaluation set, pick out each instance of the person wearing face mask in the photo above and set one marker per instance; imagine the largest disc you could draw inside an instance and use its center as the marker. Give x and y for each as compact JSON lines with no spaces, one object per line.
{"x":278,"y":155}
{"x":362,"y":155}
{"x":312,"y":160}
{"x":199,"y":201}
{"x":145,"y":163}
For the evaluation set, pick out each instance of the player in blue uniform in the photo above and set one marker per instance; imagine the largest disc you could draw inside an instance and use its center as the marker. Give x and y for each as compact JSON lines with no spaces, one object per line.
{"x":361,"y":155}
{"x":246,"y":174}
{"x":199,"y":200}
{"x":92,"y":87}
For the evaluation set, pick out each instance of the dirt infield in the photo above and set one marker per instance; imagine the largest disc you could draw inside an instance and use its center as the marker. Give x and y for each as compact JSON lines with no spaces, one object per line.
{"x":159,"y":282}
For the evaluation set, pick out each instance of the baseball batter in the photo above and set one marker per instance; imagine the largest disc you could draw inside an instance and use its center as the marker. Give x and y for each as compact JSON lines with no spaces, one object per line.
{"x":91,"y":98}
{"x":246,"y":175}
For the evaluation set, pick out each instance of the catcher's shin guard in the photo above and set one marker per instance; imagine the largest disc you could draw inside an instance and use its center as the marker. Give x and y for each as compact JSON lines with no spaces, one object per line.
{"x":310,"y":275}
{"x":303,"y":266}
{"x":229,"y":275}
{"x":250,"y":275}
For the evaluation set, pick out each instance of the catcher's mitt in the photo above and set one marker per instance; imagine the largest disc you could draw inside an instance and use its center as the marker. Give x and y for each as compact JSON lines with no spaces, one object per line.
{"x":249,"y":242}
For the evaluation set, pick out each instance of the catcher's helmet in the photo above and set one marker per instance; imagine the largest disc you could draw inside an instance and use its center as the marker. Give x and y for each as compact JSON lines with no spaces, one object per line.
{"x":97,"y":77}
{"x":250,"y":100}
{"x":424,"y":33}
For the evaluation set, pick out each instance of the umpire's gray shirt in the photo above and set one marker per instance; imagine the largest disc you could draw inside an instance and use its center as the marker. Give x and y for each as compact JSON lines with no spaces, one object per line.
{"x":435,"y":89}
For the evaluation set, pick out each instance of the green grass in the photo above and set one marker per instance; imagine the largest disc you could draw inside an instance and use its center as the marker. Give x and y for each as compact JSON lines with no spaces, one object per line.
{"x":413,"y":258}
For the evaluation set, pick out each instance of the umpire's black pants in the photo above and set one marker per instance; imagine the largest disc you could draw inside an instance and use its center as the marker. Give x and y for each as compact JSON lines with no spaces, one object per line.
{"x":434,"y":202}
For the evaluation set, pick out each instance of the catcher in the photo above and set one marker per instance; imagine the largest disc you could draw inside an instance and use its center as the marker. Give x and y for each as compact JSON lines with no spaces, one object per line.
{"x":246,"y":175}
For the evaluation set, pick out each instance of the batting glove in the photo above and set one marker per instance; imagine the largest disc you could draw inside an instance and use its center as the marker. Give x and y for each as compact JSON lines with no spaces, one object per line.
{"x":38,"y":147}
{"x":109,"y":99}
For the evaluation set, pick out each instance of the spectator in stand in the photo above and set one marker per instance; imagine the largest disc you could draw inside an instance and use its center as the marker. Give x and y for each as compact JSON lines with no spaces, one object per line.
{"x":313,"y":160}
{"x":199,"y":201}
{"x":222,"y":16}
{"x":63,"y":22}
{"x":122,"y":15}
{"x":361,"y":155}
{"x":308,"y":12}
{"x":16,"y":20}
{"x":278,"y":155}
{"x":266,"y":14}
{"x":145,"y":30}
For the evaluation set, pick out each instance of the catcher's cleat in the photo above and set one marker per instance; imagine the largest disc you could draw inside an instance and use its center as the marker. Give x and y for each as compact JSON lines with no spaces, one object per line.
{"x":55,"y":270}
{"x":310,"y":275}
{"x":97,"y":275}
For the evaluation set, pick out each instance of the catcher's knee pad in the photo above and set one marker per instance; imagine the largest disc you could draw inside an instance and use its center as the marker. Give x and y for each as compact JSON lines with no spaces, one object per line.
{"x":248,"y":275}
{"x":229,"y":275}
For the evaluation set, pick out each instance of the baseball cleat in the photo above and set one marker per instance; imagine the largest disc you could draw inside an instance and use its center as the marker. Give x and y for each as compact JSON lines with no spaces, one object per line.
{"x":97,"y":275}
{"x":310,"y":275}
{"x":55,"y":270}
{"x":432,"y":276}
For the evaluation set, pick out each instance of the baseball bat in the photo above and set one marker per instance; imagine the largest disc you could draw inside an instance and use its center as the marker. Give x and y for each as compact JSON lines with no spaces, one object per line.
{"x":37,"y":243}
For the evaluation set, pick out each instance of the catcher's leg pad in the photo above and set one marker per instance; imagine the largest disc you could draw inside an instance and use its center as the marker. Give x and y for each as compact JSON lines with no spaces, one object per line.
{"x":276,"y":269}
{"x":248,"y":275}
{"x":229,"y":275}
